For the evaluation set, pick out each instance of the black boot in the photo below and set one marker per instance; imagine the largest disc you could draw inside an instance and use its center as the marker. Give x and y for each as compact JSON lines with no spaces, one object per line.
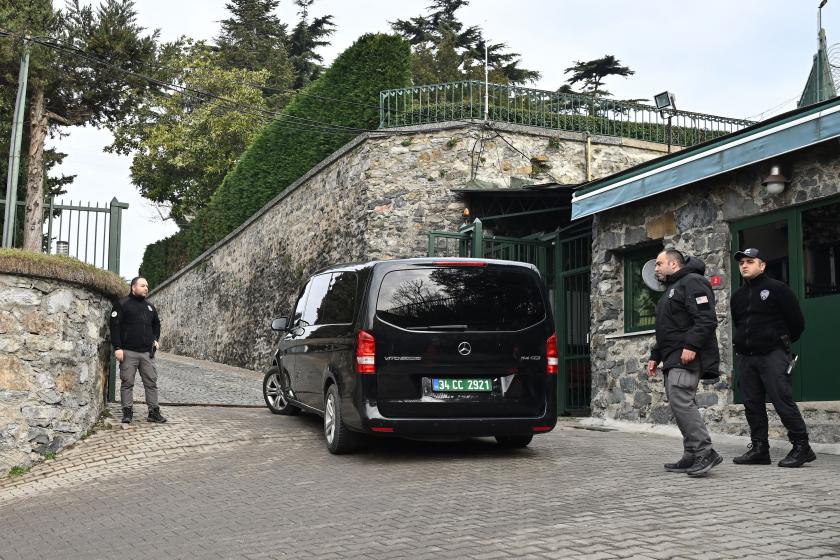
{"x":128,"y":414}
{"x":758,"y":453}
{"x":155,"y":416}
{"x":799,"y":455}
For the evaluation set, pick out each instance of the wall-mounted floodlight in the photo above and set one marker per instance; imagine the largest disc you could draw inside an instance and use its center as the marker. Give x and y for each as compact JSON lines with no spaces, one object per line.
{"x":665,"y":101}
{"x":667,"y":106}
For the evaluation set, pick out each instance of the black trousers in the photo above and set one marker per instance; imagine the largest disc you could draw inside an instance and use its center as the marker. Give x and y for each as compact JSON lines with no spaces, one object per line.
{"x":762,"y":375}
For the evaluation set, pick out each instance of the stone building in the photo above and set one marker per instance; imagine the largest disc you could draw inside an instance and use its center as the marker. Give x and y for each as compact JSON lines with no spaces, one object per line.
{"x":376,"y":198}
{"x":708,"y":201}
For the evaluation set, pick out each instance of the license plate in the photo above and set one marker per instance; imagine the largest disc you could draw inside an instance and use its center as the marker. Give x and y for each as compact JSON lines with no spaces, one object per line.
{"x":447,"y":384}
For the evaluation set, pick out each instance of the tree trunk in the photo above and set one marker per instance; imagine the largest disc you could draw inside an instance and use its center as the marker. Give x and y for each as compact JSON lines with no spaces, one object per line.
{"x":34,"y":220}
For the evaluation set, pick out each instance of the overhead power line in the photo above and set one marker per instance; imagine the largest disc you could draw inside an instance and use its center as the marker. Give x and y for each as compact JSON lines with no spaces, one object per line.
{"x":302,"y":122}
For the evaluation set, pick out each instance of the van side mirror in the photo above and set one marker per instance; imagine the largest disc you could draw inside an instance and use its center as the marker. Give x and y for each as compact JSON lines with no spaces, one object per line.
{"x":280,"y":324}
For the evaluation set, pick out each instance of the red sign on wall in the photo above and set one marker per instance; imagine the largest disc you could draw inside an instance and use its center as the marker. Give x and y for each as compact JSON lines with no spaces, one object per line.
{"x":715,"y":281}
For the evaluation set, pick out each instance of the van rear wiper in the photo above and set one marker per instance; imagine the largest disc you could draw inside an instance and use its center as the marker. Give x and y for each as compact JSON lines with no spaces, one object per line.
{"x":441,"y":328}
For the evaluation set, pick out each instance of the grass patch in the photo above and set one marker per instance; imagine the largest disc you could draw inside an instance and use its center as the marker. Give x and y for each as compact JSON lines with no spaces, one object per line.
{"x":18,"y":471}
{"x":56,"y":267}
{"x":49,"y":455}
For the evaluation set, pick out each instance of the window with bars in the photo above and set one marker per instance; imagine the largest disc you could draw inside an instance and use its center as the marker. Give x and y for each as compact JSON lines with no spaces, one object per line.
{"x":639,"y":300}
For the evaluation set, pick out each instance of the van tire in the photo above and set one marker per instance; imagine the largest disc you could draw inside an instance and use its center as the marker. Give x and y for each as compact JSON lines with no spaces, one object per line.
{"x":340,"y":439}
{"x":514,"y":442}
{"x":273,"y":388}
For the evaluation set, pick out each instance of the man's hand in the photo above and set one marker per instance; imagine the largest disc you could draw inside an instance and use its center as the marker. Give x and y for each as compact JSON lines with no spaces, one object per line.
{"x":119,"y":355}
{"x":156,"y":345}
{"x":687,"y":356}
{"x":651,"y":368}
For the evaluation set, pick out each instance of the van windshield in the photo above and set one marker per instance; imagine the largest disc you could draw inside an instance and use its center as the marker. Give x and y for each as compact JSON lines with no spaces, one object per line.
{"x":484,"y":299}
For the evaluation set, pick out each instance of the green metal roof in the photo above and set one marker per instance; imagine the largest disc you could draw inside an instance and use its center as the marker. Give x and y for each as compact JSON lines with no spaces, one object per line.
{"x":820,"y":84}
{"x":782,"y":134}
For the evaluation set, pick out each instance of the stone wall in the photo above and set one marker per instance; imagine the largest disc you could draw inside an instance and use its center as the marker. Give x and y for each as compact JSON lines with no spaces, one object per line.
{"x":54,"y":355}
{"x":695,"y":220}
{"x":376,"y":198}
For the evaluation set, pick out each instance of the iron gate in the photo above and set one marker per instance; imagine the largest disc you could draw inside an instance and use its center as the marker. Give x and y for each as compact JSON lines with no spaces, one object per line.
{"x":564,"y":259}
{"x":88,"y":233}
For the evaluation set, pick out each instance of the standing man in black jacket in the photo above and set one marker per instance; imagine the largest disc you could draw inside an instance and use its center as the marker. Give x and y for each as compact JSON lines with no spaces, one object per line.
{"x":767,"y":320}
{"x":687,"y":347}
{"x":135,"y":330}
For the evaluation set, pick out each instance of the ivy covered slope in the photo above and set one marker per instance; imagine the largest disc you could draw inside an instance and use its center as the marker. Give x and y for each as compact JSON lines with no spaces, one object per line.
{"x":346,"y":95}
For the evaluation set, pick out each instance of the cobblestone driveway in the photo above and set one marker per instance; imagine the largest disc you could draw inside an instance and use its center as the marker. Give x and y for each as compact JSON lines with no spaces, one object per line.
{"x":189,"y":381}
{"x":245,"y":484}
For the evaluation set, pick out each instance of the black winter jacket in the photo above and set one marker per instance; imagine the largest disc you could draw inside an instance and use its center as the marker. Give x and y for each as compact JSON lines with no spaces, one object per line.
{"x":686,"y":318}
{"x":134,"y":324}
{"x":763,"y":311}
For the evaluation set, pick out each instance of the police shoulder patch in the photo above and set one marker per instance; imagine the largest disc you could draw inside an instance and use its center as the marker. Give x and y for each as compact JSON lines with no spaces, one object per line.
{"x":764,"y":294}
{"x":671,"y":293}
{"x":114,"y":314}
{"x":150,"y":308}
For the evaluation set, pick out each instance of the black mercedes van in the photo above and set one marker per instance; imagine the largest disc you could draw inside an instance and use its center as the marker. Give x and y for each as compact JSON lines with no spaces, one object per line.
{"x":419,"y":347}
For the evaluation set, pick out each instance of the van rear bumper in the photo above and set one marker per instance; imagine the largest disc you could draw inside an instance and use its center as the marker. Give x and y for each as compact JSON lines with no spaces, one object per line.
{"x":373,"y":422}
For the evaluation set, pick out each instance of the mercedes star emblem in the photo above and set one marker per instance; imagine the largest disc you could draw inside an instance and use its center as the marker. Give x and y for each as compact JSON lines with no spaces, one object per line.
{"x":464,"y":348}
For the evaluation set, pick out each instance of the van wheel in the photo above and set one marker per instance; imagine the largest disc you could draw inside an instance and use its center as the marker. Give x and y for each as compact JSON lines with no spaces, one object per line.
{"x":339,"y":438}
{"x":274,"y":387}
{"x":514,"y":442}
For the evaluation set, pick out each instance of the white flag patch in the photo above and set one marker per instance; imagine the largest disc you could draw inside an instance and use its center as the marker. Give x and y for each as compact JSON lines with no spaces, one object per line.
{"x":702,"y":299}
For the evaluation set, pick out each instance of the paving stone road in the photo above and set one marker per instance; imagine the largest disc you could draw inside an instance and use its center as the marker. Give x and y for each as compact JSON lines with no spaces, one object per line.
{"x":241,"y":483}
{"x":184,"y":380}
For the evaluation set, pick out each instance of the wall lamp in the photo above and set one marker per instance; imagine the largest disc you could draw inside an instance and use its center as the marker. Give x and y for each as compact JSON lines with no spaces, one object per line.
{"x":775,"y":182}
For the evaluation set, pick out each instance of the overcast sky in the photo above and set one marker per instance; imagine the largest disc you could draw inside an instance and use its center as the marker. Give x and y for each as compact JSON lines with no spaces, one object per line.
{"x":737,"y":58}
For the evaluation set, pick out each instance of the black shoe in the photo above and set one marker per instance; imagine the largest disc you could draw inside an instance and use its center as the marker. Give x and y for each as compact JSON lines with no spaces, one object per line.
{"x":704,"y":464}
{"x":758,"y":453}
{"x":155,"y":416}
{"x":682,"y":465}
{"x":128,"y":414}
{"x":799,"y":455}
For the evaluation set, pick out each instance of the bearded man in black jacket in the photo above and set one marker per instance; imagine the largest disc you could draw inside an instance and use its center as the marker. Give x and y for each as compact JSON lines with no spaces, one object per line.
{"x":767,"y":319}
{"x":135,"y":330}
{"x":687,"y":347}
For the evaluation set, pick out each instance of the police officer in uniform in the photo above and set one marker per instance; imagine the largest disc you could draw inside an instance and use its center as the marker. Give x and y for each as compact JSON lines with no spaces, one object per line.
{"x":135,"y":330}
{"x":687,"y":347}
{"x":767,"y":320}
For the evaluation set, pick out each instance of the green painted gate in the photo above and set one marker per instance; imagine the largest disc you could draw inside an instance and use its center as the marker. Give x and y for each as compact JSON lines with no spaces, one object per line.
{"x":563,"y":258}
{"x":801,"y":246}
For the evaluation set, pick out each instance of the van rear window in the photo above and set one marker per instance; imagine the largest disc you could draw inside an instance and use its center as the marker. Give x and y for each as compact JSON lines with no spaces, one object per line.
{"x":484,"y":299}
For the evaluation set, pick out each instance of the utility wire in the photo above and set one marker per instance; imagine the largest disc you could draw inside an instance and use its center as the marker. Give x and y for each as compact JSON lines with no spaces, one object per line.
{"x":523,"y":154}
{"x":313,"y":123}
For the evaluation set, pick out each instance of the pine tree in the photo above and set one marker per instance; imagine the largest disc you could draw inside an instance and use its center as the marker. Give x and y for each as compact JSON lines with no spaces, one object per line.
{"x":591,"y":74}
{"x":69,"y":85}
{"x":255,"y":39}
{"x":305,"y":38}
{"x":443,"y":49}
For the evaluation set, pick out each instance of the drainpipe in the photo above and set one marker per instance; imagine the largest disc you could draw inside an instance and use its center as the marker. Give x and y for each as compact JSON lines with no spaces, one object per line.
{"x":588,"y":153}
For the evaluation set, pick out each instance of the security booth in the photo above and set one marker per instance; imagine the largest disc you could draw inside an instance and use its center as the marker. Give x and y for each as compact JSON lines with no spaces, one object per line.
{"x":533,"y":224}
{"x":775,"y":186}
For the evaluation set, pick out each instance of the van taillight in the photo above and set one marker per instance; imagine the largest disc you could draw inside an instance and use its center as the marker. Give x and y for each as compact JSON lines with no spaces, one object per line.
{"x":551,"y":354}
{"x":365,"y":353}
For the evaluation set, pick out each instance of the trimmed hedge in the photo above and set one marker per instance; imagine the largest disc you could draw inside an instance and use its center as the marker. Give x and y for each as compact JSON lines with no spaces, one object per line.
{"x":67,"y":269}
{"x":347,"y":94}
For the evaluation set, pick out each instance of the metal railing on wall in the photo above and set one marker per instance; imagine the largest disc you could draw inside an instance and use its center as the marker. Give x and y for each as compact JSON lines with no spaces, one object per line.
{"x":89,"y":233}
{"x":464,"y":101}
